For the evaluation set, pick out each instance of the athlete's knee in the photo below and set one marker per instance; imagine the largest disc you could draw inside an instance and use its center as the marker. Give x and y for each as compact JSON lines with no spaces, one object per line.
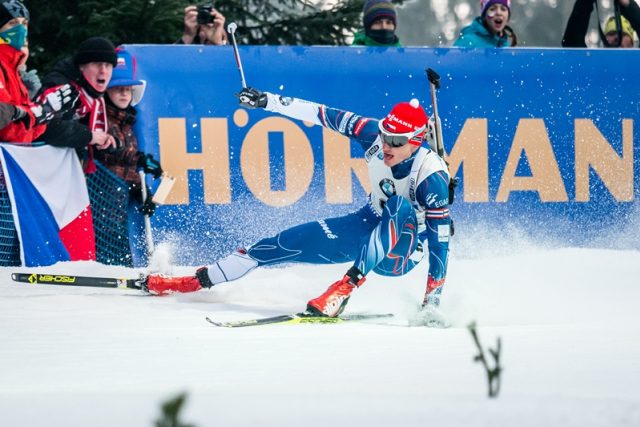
{"x":399,"y":206}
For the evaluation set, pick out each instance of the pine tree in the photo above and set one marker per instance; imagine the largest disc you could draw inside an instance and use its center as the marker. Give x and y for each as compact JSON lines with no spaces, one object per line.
{"x":293,"y":22}
{"x":57,"y":27}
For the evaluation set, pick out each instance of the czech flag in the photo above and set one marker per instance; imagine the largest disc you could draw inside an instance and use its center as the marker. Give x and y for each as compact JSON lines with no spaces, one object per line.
{"x":50,"y":204}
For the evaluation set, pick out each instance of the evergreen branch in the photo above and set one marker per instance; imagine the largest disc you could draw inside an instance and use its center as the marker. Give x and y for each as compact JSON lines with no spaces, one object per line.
{"x":493,"y":374}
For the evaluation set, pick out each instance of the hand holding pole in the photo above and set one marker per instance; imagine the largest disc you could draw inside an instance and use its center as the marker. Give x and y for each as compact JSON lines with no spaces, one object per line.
{"x":434,"y":83}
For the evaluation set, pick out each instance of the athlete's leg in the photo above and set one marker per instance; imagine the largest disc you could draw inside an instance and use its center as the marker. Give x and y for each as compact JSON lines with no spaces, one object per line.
{"x":333,"y":240}
{"x":389,"y":246}
{"x":386,"y":250}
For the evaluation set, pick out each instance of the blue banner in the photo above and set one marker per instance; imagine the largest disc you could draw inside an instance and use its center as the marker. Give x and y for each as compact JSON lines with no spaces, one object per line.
{"x":542,"y":140}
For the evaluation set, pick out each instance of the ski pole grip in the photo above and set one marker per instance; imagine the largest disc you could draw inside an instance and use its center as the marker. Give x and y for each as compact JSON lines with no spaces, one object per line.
{"x":434,"y":78}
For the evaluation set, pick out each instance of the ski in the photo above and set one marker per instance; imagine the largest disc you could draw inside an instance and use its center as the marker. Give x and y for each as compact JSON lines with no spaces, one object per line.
{"x":298,"y":318}
{"x":66,"y":280}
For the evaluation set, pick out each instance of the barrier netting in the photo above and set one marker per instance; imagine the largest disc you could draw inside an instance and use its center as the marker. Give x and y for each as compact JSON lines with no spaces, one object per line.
{"x":109,"y":197}
{"x":9,"y":247}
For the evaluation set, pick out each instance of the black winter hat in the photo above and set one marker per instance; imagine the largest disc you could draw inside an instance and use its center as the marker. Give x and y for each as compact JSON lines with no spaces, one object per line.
{"x":10,"y":9}
{"x":96,"y":49}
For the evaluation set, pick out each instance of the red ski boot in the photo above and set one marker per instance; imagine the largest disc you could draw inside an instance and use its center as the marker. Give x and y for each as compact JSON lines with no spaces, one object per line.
{"x":160,"y":284}
{"x":333,"y":301}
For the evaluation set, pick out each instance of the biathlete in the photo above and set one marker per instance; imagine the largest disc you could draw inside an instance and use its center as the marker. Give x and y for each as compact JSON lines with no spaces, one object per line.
{"x":407,"y":209}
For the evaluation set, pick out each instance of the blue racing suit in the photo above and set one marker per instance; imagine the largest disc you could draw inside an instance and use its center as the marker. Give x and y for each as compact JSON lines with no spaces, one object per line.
{"x":407,"y":210}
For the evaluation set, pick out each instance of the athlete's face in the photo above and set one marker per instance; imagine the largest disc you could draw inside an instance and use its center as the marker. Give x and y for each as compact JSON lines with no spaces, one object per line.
{"x":395,"y":155}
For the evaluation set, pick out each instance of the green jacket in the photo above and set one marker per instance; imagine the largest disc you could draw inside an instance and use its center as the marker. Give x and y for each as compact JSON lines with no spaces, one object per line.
{"x":361,"y":39}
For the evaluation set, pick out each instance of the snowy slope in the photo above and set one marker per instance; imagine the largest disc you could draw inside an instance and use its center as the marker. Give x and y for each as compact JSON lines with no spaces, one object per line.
{"x":568,"y":320}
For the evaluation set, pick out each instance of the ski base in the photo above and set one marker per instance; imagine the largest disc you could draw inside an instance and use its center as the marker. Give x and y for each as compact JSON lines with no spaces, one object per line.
{"x":299,"y":318}
{"x":84,"y":281}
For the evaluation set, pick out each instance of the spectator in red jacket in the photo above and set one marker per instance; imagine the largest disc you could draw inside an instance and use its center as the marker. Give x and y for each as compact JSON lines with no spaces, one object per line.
{"x":89,"y":72}
{"x":20,"y":119}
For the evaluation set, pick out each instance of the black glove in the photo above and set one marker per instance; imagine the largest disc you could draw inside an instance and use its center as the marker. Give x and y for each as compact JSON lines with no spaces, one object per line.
{"x":55,"y":104}
{"x":148,"y":207}
{"x":149,"y":164}
{"x":252,"y":98}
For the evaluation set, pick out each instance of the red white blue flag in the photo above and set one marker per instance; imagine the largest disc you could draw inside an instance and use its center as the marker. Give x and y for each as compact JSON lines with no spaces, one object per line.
{"x":50,"y":204}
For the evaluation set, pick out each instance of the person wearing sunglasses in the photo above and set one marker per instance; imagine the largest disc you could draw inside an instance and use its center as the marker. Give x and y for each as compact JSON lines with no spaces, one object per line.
{"x":407,"y":209}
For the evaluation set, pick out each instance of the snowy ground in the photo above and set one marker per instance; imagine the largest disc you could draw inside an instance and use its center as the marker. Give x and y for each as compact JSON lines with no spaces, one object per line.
{"x":568,"y":320}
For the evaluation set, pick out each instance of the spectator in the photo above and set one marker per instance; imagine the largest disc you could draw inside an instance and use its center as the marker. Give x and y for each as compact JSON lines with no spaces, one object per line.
{"x":490,"y":28}
{"x":20,"y":119}
{"x":89,"y":72}
{"x":203,"y":25}
{"x":578,"y":25}
{"x":379,"y":21}
{"x":30,"y":78}
{"x":123,"y":94}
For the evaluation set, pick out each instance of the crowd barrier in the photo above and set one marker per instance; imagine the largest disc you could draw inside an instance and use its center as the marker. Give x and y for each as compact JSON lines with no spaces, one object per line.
{"x":543,"y":140}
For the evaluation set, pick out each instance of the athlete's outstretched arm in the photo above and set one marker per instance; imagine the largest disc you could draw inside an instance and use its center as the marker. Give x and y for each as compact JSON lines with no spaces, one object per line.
{"x":433,"y":194}
{"x":349,"y":124}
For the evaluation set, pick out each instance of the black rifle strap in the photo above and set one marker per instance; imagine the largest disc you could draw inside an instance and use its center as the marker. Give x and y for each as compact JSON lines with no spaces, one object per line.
{"x":617,"y":17}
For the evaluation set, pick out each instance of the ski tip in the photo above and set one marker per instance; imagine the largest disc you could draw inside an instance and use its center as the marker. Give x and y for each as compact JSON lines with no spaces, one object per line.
{"x":214,"y":323}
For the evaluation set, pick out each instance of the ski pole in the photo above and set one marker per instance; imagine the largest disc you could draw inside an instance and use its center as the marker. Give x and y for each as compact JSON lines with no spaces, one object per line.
{"x":434,"y":83}
{"x":231,"y":28}
{"x":147,"y":220}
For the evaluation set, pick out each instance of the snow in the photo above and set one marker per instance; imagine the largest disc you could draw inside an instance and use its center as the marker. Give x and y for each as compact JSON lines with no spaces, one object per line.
{"x":567,"y":318}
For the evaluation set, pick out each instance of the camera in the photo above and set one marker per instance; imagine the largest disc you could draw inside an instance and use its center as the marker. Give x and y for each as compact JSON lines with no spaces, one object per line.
{"x":204,"y":14}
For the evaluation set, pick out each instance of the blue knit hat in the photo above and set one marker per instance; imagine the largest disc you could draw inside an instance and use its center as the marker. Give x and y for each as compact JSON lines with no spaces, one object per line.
{"x":10,"y":9}
{"x":377,"y":9}
{"x":124,"y":74}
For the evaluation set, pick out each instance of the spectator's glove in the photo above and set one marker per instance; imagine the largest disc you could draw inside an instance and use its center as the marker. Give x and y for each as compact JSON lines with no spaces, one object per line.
{"x":252,"y":98}
{"x":55,"y":104}
{"x":31,"y":81}
{"x":149,"y":164}
{"x":148,"y":207}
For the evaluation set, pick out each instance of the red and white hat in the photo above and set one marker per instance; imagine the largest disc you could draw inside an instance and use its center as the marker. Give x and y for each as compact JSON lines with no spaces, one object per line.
{"x":406,"y":118}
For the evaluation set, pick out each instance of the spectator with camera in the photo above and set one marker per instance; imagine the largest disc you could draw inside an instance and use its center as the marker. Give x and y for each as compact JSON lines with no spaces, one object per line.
{"x":124,"y":92}
{"x":380,"y":22}
{"x":491,"y":28}
{"x":88,"y":72}
{"x":20,"y":119}
{"x":203,"y":24}
{"x":613,"y":35}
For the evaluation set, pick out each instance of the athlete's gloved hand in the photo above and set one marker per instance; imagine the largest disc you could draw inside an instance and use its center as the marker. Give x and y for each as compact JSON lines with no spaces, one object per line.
{"x":149,"y":164}
{"x":433,"y":291}
{"x":252,"y":98}
{"x":148,"y":207}
{"x":55,"y":104}
{"x":430,"y":316}
{"x":430,"y":135}
{"x":418,"y":254}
